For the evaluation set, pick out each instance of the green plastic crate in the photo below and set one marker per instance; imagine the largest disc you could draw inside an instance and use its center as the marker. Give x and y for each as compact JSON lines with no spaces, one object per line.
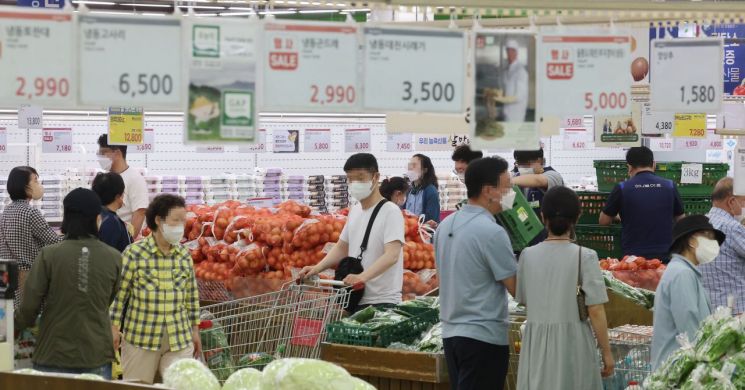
{"x":341,"y":333}
{"x":696,"y":204}
{"x":408,"y":330}
{"x":611,"y":172}
{"x":592,"y":203}
{"x":521,"y":222}
{"x":606,"y":240}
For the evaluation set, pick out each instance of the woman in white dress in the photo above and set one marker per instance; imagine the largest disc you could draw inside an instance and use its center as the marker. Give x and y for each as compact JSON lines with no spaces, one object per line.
{"x":558,"y":350}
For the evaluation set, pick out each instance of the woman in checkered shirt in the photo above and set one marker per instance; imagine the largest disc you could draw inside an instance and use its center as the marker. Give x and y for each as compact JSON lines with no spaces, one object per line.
{"x":23,"y":230}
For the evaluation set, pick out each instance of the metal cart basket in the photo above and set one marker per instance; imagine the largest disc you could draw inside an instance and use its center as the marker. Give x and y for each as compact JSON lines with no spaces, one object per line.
{"x":632,"y":350}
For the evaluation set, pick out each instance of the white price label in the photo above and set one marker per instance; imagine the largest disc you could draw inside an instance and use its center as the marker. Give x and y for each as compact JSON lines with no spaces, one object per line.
{"x":148,"y":143}
{"x":438,"y":142}
{"x":317,"y":140}
{"x":656,"y":123}
{"x":573,"y":122}
{"x":673,"y":61}
{"x":661,"y":144}
{"x":421,"y":70}
{"x":36,"y":64}
{"x":310,"y":67}
{"x":576,"y":139}
{"x":3,"y":140}
{"x":399,"y":142}
{"x":30,"y":117}
{"x":357,"y":140}
{"x":692,"y":174}
{"x":258,"y":147}
{"x":714,"y":141}
{"x":130,"y":61}
{"x":57,"y":140}
{"x":689,"y":144}
{"x":210,"y":149}
{"x":261,"y":203}
{"x":285,"y":141}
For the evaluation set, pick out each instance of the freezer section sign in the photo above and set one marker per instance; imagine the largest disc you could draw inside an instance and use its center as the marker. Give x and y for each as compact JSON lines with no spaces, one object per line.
{"x":206,"y":41}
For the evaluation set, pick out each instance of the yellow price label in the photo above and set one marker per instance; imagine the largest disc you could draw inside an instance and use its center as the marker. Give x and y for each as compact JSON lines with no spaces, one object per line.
{"x":126,"y":126}
{"x":690,"y":126}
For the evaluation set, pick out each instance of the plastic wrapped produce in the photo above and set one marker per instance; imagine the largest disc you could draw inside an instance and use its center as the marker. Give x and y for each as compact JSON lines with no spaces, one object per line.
{"x":244,"y":379}
{"x":216,"y":348}
{"x":432,"y":340}
{"x":306,"y":374}
{"x":675,"y":369}
{"x":721,"y":340}
{"x":190,"y":374}
{"x":734,"y":368}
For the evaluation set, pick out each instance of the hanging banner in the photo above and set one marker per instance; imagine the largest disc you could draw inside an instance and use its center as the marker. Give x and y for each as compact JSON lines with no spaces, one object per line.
{"x":126,"y":125}
{"x":505,"y":91}
{"x":57,"y":140}
{"x":58,"y":4}
{"x":285,"y":141}
{"x":310,"y":67}
{"x":221,"y":102}
{"x":3,"y":140}
{"x":130,"y":61}
{"x":357,"y":140}
{"x":317,"y":141}
{"x":36,"y":60}
{"x":400,"y":142}
{"x":147,"y":145}
{"x":733,"y":55}
{"x":690,"y":126}
{"x":414,"y":69}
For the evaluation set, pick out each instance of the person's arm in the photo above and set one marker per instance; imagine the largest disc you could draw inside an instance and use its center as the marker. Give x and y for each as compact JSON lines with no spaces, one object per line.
{"x":108,"y":233}
{"x":510,"y":284}
{"x":139,"y":201}
{"x":612,"y":206}
{"x":678,"y":210}
{"x":334,"y":257}
{"x":737,"y":240}
{"x":497,"y":250}
{"x":390,"y":256}
{"x":431,"y":208}
{"x":600,"y":327}
{"x":531,"y":181}
{"x":393,"y":239}
{"x":520,"y":290}
{"x":34,"y":291}
{"x":605,"y":219}
{"x":138,"y":218}
{"x":41,"y":230}
{"x":125,"y":290}
{"x":686,"y":313}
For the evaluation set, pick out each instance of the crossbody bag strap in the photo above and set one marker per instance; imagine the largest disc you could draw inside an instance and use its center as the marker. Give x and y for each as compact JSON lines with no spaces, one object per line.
{"x":579,"y":270}
{"x":370,"y":223}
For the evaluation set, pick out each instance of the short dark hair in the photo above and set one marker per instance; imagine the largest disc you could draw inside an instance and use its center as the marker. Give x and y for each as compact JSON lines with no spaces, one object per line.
{"x":18,"y":181}
{"x":393,"y":184}
{"x":465,"y":154}
{"x":160,"y":207}
{"x":428,"y":171}
{"x":524,"y":156}
{"x":103,"y":142}
{"x":560,"y":208}
{"x":76,"y":225}
{"x":482,"y":172}
{"x":364,"y":161}
{"x":640,"y":157}
{"x":108,"y":186}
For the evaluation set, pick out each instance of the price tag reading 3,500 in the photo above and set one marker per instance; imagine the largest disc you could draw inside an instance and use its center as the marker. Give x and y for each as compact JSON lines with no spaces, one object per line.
{"x":673,"y":63}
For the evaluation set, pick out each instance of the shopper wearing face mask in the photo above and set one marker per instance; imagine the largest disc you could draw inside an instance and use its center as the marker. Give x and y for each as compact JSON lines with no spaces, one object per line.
{"x":726,"y":275}
{"x":533,"y":178}
{"x":477,"y":269}
{"x":113,"y":158}
{"x":382,"y":260}
{"x":394,"y":189}
{"x":681,"y":302}
{"x":113,"y":231}
{"x":424,"y":196}
{"x":23,"y":230}
{"x":159,"y":292}
{"x":462,"y":156}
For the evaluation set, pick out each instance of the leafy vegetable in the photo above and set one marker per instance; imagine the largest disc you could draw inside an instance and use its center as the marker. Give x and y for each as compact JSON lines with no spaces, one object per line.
{"x":305,"y":374}
{"x":637,"y":295}
{"x":244,"y":379}
{"x":432,"y":340}
{"x":256,"y":360}
{"x":190,"y":374}
{"x":364,"y":315}
{"x":716,"y":343}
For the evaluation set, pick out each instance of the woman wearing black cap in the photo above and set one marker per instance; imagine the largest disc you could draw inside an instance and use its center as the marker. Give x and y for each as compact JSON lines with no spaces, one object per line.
{"x":680,"y":302}
{"x":76,"y":279}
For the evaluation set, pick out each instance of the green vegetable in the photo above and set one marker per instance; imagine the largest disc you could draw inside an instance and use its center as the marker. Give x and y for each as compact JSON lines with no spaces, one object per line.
{"x":216,"y":349}
{"x":432,"y":340}
{"x":364,"y":315}
{"x":305,"y":374}
{"x":190,"y":374}
{"x":734,"y":366}
{"x":677,"y":367}
{"x":639,"y":296}
{"x":402,"y":346}
{"x":244,"y":379}
{"x":423,"y":302}
{"x":717,"y":342}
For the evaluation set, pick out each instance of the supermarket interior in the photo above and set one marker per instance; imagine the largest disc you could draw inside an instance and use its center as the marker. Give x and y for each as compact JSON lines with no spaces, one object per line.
{"x":476,"y":195}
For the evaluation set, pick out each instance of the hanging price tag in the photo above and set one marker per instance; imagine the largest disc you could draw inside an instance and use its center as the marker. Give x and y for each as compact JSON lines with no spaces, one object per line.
{"x":210,"y":149}
{"x":258,"y":147}
{"x":673,"y":61}
{"x":3,"y":140}
{"x":692,"y":174}
{"x":399,"y":142}
{"x":30,"y":116}
{"x":147,"y":145}
{"x":126,"y":125}
{"x":285,"y":141}
{"x":573,"y":122}
{"x":58,"y":140}
{"x":739,"y":163}
{"x":690,"y":126}
{"x":689,"y":144}
{"x":661,"y":144}
{"x":656,"y":123}
{"x":576,"y":139}
{"x":356,"y":140}
{"x":317,"y":140}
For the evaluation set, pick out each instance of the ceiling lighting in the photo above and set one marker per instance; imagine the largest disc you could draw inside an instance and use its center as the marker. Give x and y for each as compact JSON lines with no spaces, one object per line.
{"x":153,"y":14}
{"x":111,"y":13}
{"x":94,"y":2}
{"x":279,"y":12}
{"x":315,"y":3}
{"x":319,"y":11}
{"x":202,"y":7}
{"x":304,"y":3}
{"x":146,"y":5}
{"x":208,"y":14}
{"x":241,"y":8}
{"x":237,"y":13}
{"x":356,"y":10}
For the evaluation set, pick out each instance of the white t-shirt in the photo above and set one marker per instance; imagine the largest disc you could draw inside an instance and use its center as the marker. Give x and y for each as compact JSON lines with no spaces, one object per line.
{"x":388,"y":227}
{"x":135,"y":194}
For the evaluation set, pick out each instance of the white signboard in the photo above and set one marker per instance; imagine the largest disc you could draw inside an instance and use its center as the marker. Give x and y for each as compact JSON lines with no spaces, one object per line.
{"x":30,"y":117}
{"x":148,"y":143}
{"x":317,"y":140}
{"x":739,"y":162}
{"x":357,"y":140}
{"x":399,"y":142}
{"x":673,"y":61}
{"x":56,"y":140}
{"x":130,"y":61}
{"x":576,"y":138}
{"x":656,"y":123}
{"x":692,"y":174}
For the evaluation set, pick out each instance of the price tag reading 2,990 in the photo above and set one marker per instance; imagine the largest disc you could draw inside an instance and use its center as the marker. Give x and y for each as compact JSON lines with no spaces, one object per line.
{"x":130,"y":61}
{"x":673,"y":62}
{"x":357,"y":140}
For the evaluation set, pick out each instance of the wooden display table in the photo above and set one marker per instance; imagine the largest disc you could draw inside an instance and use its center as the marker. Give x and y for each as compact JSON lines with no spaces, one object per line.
{"x":621,"y":311}
{"x":13,"y":381}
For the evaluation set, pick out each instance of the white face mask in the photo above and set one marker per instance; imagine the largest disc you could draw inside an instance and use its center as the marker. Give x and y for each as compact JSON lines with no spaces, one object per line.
{"x":360,"y":190}
{"x":525,"y":171}
{"x":413,"y":175}
{"x":105,"y":163}
{"x":172,"y":234}
{"x":461,"y":176}
{"x":707,"y":250}
{"x":508,"y":200}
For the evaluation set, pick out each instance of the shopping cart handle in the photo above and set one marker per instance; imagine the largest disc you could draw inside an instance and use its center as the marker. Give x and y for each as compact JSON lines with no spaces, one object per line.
{"x":334,"y":283}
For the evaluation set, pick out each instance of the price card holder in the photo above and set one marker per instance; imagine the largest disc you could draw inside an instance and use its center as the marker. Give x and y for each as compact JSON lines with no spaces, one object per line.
{"x":30,"y":116}
{"x":3,"y":140}
{"x":576,"y":138}
{"x":357,"y":141}
{"x":714,"y":141}
{"x":258,"y":147}
{"x":210,"y":149}
{"x":399,"y":142}
{"x":673,"y":61}
{"x":692,"y":174}
{"x":126,"y":125}
{"x":656,"y":123}
{"x":661,"y":144}
{"x":148,"y":143}
{"x":285,"y":141}
{"x":56,"y":140}
{"x":690,"y":144}
{"x":317,"y":140}
{"x":690,"y":126}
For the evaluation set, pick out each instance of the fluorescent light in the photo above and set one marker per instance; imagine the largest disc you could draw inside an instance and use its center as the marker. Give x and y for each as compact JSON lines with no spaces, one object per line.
{"x":241,"y":8}
{"x":208,"y":14}
{"x":291,"y":2}
{"x":279,"y":2}
{"x":341,"y":5}
{"x":94,"y":2}
{"x":315,"y":3}
{"x":319,"y":11}
{"x":279,"y":12}
{"x":357,"y":10}
{"x":111,"y":13}
{"x":237,"y":13}
{"x":202,"y":7}
{"x":146,"y":5}
{"x":304,"y":3}
{"x":154,"y":13}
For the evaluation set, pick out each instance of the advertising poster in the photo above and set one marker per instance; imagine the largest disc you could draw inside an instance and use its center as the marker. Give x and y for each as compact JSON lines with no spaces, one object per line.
{"x":617,"y":131}
{"x":286,"y":141}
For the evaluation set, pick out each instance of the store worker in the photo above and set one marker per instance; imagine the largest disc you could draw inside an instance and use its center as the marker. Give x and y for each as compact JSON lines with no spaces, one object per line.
{"x":23,"y":230}
{"x":382,"y":260}
{"x":424,"y":196}
{"x":559,"y":349}
{"x":647,"y":204}
{"x":76,"y":280}
{"x":462,"y":156}
{"x":726,"y":275}
{"x":159,"y":290}
{"x":394,"y":189}
{"x":681,"y":302}
{"x":113,"y":231}
{"x":113,"y":158}
{"x":477,"y":268}
{"x":533,"y":177}
{"x":514,"y":81}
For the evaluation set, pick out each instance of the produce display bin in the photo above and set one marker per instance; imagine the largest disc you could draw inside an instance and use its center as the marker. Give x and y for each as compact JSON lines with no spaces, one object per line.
{"x":606,"y":240}
{"x":611,"y":172}
{"x":9,"y":380}
{"x":406,"y":331}
{"x":592,"y":204}
{"x":521,"y":222}
{"x":696,"y":204}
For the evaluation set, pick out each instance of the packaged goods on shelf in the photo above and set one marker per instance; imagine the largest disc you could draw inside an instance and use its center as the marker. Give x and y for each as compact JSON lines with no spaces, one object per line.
{"x":268,"y":172}
{"x":315,"y":179}
{"x":293,"y":179}
{"x":336,"y":179}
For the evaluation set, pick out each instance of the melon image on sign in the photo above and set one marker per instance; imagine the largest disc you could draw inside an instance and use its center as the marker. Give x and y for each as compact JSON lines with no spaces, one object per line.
{"x":204,"y":110}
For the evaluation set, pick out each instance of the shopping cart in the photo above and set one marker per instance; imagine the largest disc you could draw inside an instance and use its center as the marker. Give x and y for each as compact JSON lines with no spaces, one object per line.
{"x":290,"y":322}
{"x":631,"y":346}
{"x":515,"y":339}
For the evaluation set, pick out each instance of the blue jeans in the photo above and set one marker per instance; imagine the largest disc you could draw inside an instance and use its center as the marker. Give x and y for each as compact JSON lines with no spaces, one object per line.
{"x":103,"y":371}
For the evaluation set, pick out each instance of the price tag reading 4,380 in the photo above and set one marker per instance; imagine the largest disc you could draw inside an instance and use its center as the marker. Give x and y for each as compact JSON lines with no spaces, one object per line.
{"x":57,"y":140}
{"x":410,"y":69}
{"x":673,"y":61}
{"x":356,"y":140}
{"x":130,"y":61}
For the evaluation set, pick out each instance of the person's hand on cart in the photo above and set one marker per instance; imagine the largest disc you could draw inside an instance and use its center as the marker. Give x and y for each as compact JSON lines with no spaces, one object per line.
{"x":117,"y":336}
{"x":307,"y":273}
{"x":355,"y":281}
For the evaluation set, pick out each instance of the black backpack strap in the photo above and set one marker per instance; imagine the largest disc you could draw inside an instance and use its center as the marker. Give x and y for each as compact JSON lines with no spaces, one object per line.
{"x":370,"y":223}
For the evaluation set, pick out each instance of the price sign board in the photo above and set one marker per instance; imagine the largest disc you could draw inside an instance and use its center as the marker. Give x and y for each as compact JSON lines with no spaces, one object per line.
{"x":692,"y":174}
{"x":30,"y":116}
{"x":126,"y":125}
{"x":36,"y":61}
{"x":258,"y":147}
{"x":576,"y":138}
{"x":399,"y":142}
{"x":657,"y":123}
{"x":357,"y":140}
{"x":310,"y":67}
{"x":130,"y":61}
{"x":56,"y":140}
{"x":147,"y":145}
{"x":690,"y":126}
{"x":414,"y":69}
{"x":673,"y":61}
{"x":587,"y":68}
{"x":285,"y":141}
{"x":714,"y":141}
{"x":317,"y":140}
{"x":3,"y":140}
{"x":661,"y":144}
{"x":689,"y":144}
{"x":739,"y":163}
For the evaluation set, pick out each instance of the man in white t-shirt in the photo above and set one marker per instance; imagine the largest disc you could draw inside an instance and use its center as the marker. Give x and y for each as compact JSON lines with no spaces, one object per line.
{"x":113,"y":158}
{"x":383,"y":259}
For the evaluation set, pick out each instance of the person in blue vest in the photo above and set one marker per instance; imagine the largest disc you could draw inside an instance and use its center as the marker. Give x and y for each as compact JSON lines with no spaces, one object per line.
{"x":535,"y":180}
{"x":648,"y":206}
{"x":424,"y":197}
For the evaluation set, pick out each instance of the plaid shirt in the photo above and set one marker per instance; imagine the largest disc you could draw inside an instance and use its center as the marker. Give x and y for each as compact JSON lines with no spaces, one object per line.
{"x":726,"y":274}
{"x":159,"y":291}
